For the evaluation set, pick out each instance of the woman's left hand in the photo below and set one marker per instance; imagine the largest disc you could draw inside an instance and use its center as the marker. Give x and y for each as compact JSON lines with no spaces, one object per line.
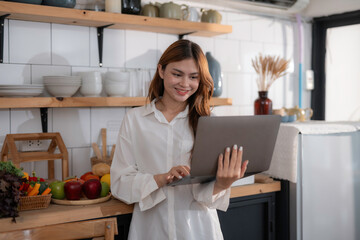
{"x":230,"y":168}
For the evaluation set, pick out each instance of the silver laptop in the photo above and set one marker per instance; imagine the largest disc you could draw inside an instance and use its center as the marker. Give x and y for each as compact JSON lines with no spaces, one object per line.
{"x":257,"y":134}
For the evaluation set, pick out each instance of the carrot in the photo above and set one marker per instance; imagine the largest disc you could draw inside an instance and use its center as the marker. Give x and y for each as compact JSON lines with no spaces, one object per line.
{"x":46,"y":191}
{"x":30,"y":188}
{"x":35,"y":190}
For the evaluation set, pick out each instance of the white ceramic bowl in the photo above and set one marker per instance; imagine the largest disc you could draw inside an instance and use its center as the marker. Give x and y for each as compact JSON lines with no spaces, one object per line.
{"x":90,"y":77}
{"x":118,"y":76}
{"x":62,"y":90}
{"x":61,"y":79}
{"x":120,"y":89}
{"x":91,"y":90}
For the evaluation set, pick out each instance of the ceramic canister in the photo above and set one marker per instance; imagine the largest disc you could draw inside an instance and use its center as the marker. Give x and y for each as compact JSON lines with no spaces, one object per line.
{"x":215,"y":72}
{"x":211,"y":16}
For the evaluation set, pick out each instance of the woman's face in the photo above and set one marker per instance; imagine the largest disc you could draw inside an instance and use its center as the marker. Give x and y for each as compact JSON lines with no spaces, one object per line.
{"x":181,"y":79}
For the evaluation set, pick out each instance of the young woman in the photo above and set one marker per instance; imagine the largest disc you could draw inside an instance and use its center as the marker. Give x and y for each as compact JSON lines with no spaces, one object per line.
{"x":154,"y":148}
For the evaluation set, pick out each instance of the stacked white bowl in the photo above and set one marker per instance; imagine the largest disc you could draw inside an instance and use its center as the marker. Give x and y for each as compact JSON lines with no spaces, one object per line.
{"x":117,"y":83}
{"x":91,"y":84}
{"x":62,"y":86}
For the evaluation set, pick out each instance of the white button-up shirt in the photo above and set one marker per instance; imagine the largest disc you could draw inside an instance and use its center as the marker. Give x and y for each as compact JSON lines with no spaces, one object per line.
{"x":148,"y":145}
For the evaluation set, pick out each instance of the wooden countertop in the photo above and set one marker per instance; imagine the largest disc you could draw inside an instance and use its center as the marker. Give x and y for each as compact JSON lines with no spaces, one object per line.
{"x":56,"y":214}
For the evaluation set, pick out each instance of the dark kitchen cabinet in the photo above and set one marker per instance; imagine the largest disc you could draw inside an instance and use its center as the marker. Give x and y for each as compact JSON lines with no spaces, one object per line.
{"x":123,"y":222}
{"x":249,"y":218}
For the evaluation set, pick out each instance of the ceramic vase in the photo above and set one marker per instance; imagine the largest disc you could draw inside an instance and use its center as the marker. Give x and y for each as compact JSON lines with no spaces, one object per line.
{"x":215,"y":72}
{"x":263,"y":105}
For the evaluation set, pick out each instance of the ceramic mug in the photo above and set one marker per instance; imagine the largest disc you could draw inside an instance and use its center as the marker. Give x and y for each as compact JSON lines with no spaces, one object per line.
{"x":280,"y":112}
{"x":302,"y":114}
{"x":193,"y":15}
{"x":211,"y":16}
{"x":150,"y":10}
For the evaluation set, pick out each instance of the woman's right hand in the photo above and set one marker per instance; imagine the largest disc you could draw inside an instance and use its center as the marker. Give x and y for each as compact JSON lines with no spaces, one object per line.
{"x":175,"y":173}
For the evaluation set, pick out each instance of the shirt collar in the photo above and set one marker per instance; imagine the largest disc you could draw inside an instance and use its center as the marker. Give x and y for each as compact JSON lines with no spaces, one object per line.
{"x":151,"y":108}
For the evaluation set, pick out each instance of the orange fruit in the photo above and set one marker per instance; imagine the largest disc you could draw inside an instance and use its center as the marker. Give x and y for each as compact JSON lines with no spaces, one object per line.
{"x":90,"y":176}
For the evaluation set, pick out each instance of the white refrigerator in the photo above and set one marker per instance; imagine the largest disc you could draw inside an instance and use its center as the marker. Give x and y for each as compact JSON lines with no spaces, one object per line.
{"x":324,"y":179}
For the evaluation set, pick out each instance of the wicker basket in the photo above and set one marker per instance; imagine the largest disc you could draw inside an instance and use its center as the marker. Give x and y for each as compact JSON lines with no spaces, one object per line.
{"x":34,"y":202}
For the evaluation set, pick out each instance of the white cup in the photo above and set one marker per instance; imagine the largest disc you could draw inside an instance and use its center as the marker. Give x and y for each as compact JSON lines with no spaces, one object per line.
{"x":113,"y":6}
{"x":194,"y":15}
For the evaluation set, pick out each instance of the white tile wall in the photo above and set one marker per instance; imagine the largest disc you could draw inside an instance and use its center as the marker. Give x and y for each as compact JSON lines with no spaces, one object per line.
{"x":206,"y":44}
{"x":241,"y":88}
{"x":263,"y":29}
{"x":241,"y":27}
{"x":80,"y":161}
{"x":113,"y":48}
{"x":73,"y":125}
{"x":15,"y":74}
{"x":284,"y":32}
{"x":248,"y":51}
{"x":227,"y":53}
{"x":32,"y":50}
{"x":109,"y":118}
{"x":70,"y":45}
{"x":5,"y":124}
{"x":163,"y":42}
{"x":28,"y":120}
{"x":29,"y":42}
{"x":141,"y":49}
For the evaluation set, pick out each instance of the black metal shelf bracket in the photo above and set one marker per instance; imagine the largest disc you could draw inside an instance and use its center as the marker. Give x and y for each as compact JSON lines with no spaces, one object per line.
{"x":181,"y":36}
{"x":2,"y":35}
{"x":44,"y":119}
{"x":100,"y":35}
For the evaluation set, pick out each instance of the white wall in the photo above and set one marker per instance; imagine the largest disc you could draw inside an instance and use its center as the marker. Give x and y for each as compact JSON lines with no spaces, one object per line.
{"x":33,"y":50}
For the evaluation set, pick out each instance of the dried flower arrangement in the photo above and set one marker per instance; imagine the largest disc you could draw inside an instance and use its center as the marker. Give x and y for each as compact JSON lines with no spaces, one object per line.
{"x":269,"y":68}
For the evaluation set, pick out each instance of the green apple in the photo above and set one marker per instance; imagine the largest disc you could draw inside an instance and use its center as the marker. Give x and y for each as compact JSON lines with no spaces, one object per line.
{"x":57,"y":190}
{"x":105,"y":188}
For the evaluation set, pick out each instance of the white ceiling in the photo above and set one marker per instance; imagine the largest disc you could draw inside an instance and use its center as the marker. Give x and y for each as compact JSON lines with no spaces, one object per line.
{"x":320,"y":8}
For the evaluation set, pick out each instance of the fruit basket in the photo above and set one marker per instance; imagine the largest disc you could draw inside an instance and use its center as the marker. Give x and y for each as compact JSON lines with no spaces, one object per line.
{"x":34,"y":202}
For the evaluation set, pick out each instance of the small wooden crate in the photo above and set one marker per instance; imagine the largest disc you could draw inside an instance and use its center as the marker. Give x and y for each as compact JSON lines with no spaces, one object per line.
{"x":34,"y":202}
{"x":9,"y":151}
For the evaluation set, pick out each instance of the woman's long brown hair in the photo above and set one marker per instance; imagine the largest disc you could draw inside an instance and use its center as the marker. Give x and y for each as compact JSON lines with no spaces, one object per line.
{"x":199,"y":102}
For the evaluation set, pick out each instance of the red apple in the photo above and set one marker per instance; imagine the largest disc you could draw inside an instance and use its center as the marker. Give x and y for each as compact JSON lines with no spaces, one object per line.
{"x":73,"y":190}
{"x":92,"y":188}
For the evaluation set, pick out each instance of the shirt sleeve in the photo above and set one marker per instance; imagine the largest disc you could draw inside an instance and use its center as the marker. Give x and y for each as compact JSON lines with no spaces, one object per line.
{"x":203,"y":193}
{"x":127,"y":183}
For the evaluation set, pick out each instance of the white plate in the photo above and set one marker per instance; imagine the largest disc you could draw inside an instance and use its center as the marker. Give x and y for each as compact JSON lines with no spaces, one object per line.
{"x":24,"y":86}
{"x":20,"y":92}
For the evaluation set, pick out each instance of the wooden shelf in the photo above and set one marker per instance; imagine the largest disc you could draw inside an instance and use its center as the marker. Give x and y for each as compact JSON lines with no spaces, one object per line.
{"x":52,"y":102}
{"x":40,"y":13}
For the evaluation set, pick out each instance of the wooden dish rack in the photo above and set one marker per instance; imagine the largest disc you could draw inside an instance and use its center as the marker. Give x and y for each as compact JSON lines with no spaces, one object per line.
{"x":9,"y":151}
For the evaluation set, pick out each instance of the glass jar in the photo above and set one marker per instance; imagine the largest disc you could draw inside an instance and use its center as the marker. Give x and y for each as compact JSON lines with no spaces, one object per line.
{"x":263,"y":105}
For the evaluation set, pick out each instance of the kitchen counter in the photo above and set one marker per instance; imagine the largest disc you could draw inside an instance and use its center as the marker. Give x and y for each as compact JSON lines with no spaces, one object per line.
{"x":56,"y":214}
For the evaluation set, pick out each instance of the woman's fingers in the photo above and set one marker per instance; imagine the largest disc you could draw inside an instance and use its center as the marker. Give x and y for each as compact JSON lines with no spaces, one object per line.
{"x":234,"y":157}
{"x":244,"y":167}
{"x":179,"y":171}
{"x":220,"y":162}
{"x":226,"y":159}
{"x":239,"y":159}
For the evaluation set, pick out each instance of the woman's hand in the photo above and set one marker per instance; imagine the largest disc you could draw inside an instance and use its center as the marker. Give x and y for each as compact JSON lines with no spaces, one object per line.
{"x":175,"y":173}
{"x":230,"y":168}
